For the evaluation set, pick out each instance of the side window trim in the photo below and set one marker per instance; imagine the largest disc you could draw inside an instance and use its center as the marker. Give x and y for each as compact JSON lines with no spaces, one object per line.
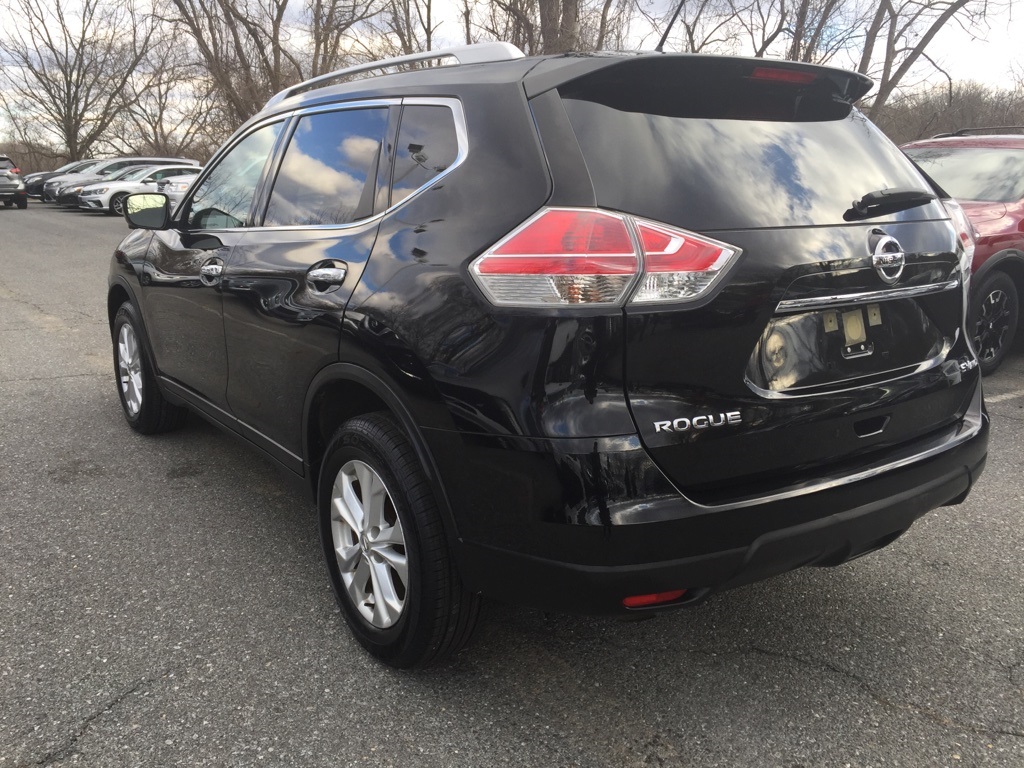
{"x":461,"y":133}
{"x":461,"y":136}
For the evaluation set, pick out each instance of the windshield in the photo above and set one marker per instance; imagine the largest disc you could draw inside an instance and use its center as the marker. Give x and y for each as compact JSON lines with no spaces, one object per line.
{"x":131,"y":173}
{"x":975,"y":173}
{"x":6,"y":162}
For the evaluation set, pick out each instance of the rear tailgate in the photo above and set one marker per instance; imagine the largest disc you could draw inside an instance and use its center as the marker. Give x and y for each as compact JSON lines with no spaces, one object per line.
{"x":821,"y":349}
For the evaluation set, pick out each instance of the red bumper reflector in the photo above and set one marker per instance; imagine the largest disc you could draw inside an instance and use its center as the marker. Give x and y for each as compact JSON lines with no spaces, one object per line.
{"x":641,"y":601}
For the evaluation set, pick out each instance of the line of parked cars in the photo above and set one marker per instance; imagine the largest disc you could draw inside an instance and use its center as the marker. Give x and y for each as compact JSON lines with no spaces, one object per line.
{"x":103,"y":185}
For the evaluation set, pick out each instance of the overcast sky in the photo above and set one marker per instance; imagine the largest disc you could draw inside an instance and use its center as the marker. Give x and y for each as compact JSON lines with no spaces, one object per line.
{"x":991,"y":60}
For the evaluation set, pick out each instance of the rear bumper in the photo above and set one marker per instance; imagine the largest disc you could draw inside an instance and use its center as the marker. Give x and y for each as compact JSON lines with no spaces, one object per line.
{"x":590,"y":569}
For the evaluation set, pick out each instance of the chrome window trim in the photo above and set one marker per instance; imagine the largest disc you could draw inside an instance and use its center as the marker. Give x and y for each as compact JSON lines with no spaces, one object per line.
{"x":790,"y":306}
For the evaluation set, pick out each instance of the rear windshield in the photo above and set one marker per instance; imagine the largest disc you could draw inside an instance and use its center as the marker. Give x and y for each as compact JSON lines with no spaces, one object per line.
{"x":691,"y":156}
{"x":6,"y":162}
{"x":975,"y":173}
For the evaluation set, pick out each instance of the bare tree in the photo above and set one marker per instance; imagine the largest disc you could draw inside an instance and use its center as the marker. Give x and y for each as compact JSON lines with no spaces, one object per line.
{"x":254,"y":48}
{"x":68,"y":68}
{"x":900,"y":31}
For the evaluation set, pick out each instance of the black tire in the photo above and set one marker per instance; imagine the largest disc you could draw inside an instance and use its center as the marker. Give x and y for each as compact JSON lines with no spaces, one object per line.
{"x":8,"y":203}
{"x":437,"y":615}
{"x":22,"y":202}
{"x":995,"y":312}
{"x":144,"y":407}
{"x":117,"y":204}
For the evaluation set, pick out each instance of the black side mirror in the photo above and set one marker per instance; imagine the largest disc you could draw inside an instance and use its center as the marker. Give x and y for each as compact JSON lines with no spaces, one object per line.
{"x":147,"y":210}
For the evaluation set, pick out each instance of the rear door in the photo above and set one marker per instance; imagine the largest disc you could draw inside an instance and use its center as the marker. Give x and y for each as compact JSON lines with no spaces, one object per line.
{"x":288,"y":281}
{"x":836,"y":333}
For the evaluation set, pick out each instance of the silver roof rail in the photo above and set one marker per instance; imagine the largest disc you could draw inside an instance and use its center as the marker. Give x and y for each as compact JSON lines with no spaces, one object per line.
{"x":477,"y":53}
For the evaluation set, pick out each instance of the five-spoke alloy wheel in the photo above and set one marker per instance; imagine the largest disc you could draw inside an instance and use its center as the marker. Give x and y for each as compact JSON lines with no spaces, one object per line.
{"x":369,"y":544}
{"x":385,"y":547}
{"x":143,"y":404}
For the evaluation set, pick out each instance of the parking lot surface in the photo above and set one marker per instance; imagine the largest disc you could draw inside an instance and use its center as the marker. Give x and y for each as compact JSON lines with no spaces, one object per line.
{"x":164,"y":604}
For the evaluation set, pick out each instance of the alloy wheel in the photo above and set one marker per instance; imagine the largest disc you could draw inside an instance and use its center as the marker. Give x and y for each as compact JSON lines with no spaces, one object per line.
{"x":129,"y":369}
{"x":369,"y":544}
{"x":992,"y":324}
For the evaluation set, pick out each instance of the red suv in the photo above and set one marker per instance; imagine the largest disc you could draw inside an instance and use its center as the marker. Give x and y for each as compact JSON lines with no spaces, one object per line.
{"x":985,"y":173}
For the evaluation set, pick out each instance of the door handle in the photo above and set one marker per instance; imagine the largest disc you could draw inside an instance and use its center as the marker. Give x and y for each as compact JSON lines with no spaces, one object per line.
{"x":327,"y":275}
{"x":210,"y":272}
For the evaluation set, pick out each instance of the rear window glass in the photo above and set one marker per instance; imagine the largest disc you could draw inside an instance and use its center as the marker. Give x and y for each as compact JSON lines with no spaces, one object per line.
{"x":975,"y":173}
{"x":699,"y":160}
{"x":6,"y":162}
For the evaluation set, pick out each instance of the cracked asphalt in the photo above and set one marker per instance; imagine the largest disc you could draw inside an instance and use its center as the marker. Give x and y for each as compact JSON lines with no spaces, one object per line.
{"x":164,"y":604}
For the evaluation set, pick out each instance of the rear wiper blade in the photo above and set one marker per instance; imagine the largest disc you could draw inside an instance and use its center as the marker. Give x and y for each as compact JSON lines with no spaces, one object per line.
{"x":883,"y":201}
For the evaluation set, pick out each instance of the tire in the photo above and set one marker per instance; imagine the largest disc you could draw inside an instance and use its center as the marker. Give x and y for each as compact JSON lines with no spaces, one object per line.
{"x":995,"y":311}
{"x":8,"y":203}
{"x":389,"y":566}
{"x":22,"y":203}
{"x":144,"y":407}
{"x":117,"y":204}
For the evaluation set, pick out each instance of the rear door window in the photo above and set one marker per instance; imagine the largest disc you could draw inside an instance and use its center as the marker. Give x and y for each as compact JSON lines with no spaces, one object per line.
{"x":427,"y":146}
{"x":329,"y":169}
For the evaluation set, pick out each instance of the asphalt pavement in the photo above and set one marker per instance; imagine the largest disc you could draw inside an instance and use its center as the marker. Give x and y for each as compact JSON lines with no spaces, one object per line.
{"x":164,"y":604}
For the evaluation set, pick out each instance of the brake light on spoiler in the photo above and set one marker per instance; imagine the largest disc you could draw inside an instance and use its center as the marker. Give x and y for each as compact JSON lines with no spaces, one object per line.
{"x":592,"y":257}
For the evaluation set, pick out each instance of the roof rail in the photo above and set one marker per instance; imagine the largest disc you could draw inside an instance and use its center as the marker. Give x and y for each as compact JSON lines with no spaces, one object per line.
{"x":969,"y":131}
{"x":477,"y":53}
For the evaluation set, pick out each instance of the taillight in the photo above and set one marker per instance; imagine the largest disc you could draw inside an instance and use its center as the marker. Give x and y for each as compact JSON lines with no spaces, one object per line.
{"x":964,"y":232}
{"x":589,"y":257}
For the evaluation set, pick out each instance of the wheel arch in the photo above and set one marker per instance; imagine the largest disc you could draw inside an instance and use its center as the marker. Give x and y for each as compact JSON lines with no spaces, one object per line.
{"x":1009,"y":261}
{"x":117,"y":295}
{"x":344,"y":390}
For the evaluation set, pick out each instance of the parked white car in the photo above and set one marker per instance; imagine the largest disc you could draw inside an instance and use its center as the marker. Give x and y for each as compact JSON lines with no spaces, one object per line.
{"x":175,"y":187}
{"x":109,"y":196}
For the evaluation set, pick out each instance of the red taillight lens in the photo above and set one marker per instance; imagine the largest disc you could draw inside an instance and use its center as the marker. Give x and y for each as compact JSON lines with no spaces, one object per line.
{"x":678,"y":265}
{"x":656,"y":598}
{"x":15,"y":170}
{"x":592,"y":257}
{"x":561,"y":256}
{"x":561,"y":231}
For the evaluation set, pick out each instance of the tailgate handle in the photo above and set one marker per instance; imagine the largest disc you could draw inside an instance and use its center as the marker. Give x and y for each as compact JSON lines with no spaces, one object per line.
{"x":871,"y":427}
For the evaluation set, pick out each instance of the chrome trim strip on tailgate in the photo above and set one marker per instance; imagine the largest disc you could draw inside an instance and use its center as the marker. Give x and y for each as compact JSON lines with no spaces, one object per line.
{"x":866,"y":297}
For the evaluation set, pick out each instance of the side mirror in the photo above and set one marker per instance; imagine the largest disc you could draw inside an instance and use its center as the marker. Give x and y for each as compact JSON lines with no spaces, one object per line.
{"x":147,"y":210}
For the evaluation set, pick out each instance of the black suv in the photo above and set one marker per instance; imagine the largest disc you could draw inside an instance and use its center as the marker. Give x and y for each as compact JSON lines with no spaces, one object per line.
{"x":592,"y":333}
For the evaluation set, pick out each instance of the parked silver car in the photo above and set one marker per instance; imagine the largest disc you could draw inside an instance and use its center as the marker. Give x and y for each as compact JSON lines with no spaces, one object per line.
{"x":175,"y":187}
{"x":108,"y":196}
{"x":103,"y":169}
{"x":12,"y":187}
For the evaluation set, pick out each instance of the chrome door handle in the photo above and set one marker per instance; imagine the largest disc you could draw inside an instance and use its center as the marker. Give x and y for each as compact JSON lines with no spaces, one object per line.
{"x":211,"y":271}
{"x":327,"y":275}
